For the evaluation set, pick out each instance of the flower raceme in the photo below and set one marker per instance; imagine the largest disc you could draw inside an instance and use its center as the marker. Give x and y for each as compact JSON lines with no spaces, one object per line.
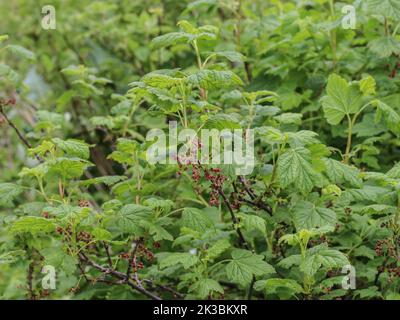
{"x":237,"y":147}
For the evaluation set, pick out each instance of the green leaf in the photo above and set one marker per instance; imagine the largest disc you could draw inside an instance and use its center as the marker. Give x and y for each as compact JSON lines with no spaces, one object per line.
{"x":56,"y":257}
{"x":75,"y":71}
{"x":252,"y":222}
{"x":302,"y":138}
{"x":385,"y":47}
{"x":392,"y":296}
{"x":101,"y":234}
{"x":130,"y":217}
{"x":214,"y":79}
{"x":368,"y":293}
{"x":367,"y":193}
{"x":270,"y":285}
{"x":307,"y":216}
{"x":160,"y":205}
{"x":159,"y":233}
{"x":386,"y":8}
{"x":196,"y":220}
{"x":3,"y":37}
{"x":339,"y":172}
{"x":8,"y":192}
{"x":68,"y":168}
{"x":288,"y":262}
{"x":107,"y":180}
{"x":232,"y":56}
{"x":4,"y":70}
{"x":122,"y":108}
{"x":290,"y":239}
{"x":161,"y":81}
{"x":64,"y":99}
{"x":201,"y":3}
{"x":170,"y":39}
{"x":245,"y":264}
{"x":378,"y":209}
{"x":368,"y":86}
{"x":21,"y":52}
{"x":392,"y":173}
{"x":289,"y":118}
{"x":108,"y":122}
{"x":222,"y":121}
{"x":304,"y":235}
{"x":217,"y":249}
{"x":321,"y":256}
{"x":392,"y":118}
{"x":364,"y":251}
{"x":11,"y":256}
{"x":42,"y":149}
{"x":73,"y":148}
{"x":294,"y":168}
{"x":271,"y":135}
{"x":205,"y":287}
{"x":33,"y":225}
{"x":342,"y":99}
{"x":187,"y":260}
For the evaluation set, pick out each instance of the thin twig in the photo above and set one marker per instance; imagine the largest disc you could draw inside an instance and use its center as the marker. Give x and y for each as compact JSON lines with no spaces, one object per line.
{"x":135,"y":245}
{"x":174,"y":292}
{"x":258,"y":203}
{"x":31,"y":294}
{"x":234,"y":220}
{"x":107,"y":249}
{"x":20,"y":135}
{"x":119,"y":275}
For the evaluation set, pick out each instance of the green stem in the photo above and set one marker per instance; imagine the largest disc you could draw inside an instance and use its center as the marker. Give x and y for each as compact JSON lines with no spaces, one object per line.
{"x":333,"y":38}
{"x":125,"y":128}
{"x":198,"y":57}
{"x":307,"y":280}
{"x":203,"y":92}
{"x":350,"y":131}
{"x":386,"y":27}
{"x":349,"y":138}
{"x":274,"y":170}
{"x":395,"y":30}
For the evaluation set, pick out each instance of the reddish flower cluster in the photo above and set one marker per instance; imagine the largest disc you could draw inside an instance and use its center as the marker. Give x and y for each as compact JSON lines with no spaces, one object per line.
{"x":84,"y":237}
{"x":394,"y":272}
{"x":45,"y":215}
{"x":321,"y":239}
{"x":142,"y":251}
{"x":217,"y":180}
{"x":326,"y":290}
{"x":124,"y":255}
{"x":83,"y":203}
{"x":196,"y":173}
{"x":80,"y":236}
{"x":347,"y":210}
{"x":331,"y":274}
{"x":67,"y":231}
{"x":234,"y":201}
{"x":156,"y":245}
{"x":213,"y":175}
{"x":385,"y":246}
{"x":393,"y":72}
{"x":137,"y":266}
{"x":388,"y":248}
{"x":10,"y":101}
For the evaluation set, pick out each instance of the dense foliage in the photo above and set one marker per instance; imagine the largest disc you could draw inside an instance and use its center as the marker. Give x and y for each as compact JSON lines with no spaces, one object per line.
{"x":76,"y":189}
